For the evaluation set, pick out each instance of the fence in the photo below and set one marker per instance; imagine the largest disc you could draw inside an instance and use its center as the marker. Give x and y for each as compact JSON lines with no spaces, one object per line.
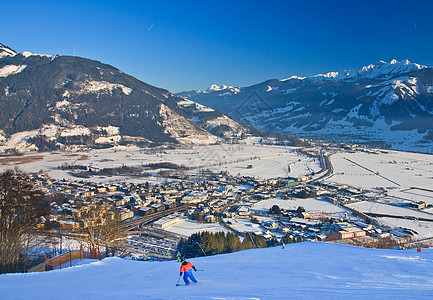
{"x":64,"y":260}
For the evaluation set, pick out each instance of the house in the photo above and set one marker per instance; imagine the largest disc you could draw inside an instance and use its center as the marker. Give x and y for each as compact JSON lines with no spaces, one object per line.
{"x":167,"y":221}
{"x":244,"y":211}
{"x":146,"y":211}
{"x":345,"y":234}
{"x":68,"y":224}
{"x":210,"y":219}
{"x":312,"y":215}
{"x":157,"y":207}
{"x":169,"y":204}
{"x":125,"y":214}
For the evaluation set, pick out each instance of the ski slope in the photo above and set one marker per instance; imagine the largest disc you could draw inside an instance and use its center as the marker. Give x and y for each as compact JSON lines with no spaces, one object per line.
{"x":307,"y":270}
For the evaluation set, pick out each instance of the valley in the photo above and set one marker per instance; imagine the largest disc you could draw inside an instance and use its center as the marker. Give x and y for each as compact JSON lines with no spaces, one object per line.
{"x":361,"y":196}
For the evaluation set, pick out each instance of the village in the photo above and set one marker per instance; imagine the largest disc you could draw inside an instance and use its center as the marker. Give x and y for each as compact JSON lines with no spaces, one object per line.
{"x":300,"y":208}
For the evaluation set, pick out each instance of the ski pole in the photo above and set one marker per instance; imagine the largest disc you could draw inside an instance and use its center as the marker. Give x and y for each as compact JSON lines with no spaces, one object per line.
{"x":199,"y":270}
{"x":178,"y":280}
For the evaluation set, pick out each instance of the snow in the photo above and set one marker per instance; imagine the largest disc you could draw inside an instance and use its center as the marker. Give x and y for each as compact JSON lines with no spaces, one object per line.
{"x":11,"y":70}
{"x":190,"y":133}
{"x":406,"y":177}
{"x":402,"y":174}
{"x":381,"y":69}
{"x":293,"y":77}
{"x":267,"y":161}
{"x":6,"y":51}
{"x":62,"y":104}
{"x":244,"y":225}
{"x":108,"y":140}
{"x":27,"y":54}
{"x":310,"y":205}
{"x":217,"y":88}
{"x":19,"y":141}
{"x":203,"y":108}
{"x":111,"y":130}
{"x":188,"y":227}
{"x":92,"y":86}
{"x":309,"y":270}
{"x":50,"y":131}
{"x":75,"y":131}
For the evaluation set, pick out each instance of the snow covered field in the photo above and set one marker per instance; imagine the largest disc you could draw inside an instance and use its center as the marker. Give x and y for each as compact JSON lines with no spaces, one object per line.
{"x":310,"y":205}
{"x":309,"y":270}
{"x":266,"y":161}
{"x":188,"y":227}
{"x":396,"y":170}
{"x":406,"y":177}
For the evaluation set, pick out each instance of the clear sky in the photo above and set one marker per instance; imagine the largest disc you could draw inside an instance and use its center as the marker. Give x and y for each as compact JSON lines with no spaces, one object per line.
{"x":184,"y":45}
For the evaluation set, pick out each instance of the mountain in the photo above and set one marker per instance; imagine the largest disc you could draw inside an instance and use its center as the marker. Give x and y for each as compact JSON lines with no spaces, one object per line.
{"x":387,"y":104}
{"x":308,"y":270}
{"x":64,"y":102}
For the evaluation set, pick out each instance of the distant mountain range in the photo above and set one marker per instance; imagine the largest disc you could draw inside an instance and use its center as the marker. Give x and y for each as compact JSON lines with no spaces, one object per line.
{"x":64,"y":102}
{"x":386,"y":104}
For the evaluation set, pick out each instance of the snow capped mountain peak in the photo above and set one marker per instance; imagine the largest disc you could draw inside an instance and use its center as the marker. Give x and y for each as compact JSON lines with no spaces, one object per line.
{"x":217,"y":88}
{"x":6,"y":51}
{"x":380,"y":69}
{"x":293,"y":77}
{"x":384,"y":69}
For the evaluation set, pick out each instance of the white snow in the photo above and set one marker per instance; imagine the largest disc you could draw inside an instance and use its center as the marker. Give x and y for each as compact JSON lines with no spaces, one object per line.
{"x":11,"y":70}
{"x":310,"y":270}
{"x":92,"y":86}
{"x":66,"y":94}
{"x":19,"y":141}
{"x":111,"y":130}
{"x":381,"y":69}
{"x":310,"y":205}
{"x":62,"y":104}
{"x":108,"y":140}
{"x":190,"y":134}
{"x":188,"y":227}
{"x":293,"y":77}
{"x":50,"y":131}
{"x":5,"y":51}
{"x":267,"y":161}
{"x":402,"y":174}
{"x":217,"y":88}
{"x":27,"y":54}
{"x":75,"y":131}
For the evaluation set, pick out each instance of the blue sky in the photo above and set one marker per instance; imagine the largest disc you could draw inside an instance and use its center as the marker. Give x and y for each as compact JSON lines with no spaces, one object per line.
{"x":184,"y":45}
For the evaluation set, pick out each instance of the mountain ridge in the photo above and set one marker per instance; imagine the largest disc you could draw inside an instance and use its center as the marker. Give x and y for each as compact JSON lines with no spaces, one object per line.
{"x":387,"y":105}
{"x":66,"y":102}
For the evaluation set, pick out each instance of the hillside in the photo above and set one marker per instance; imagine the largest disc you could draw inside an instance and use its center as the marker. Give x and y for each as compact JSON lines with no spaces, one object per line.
{"x":65,"y":102}
{"x":386,"y":104}
{"x":306,"y":270}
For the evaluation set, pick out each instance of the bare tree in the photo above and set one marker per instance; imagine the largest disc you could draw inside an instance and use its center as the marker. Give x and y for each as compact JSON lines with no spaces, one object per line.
{"x":21,"y":208}
{"x":102,"y":231}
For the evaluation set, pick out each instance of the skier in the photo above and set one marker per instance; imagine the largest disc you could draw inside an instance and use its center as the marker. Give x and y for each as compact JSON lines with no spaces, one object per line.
{"x":185,"y":269}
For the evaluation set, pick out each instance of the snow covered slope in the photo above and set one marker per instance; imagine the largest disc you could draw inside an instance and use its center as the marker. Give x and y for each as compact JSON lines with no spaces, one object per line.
{"x":307,"y":270}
